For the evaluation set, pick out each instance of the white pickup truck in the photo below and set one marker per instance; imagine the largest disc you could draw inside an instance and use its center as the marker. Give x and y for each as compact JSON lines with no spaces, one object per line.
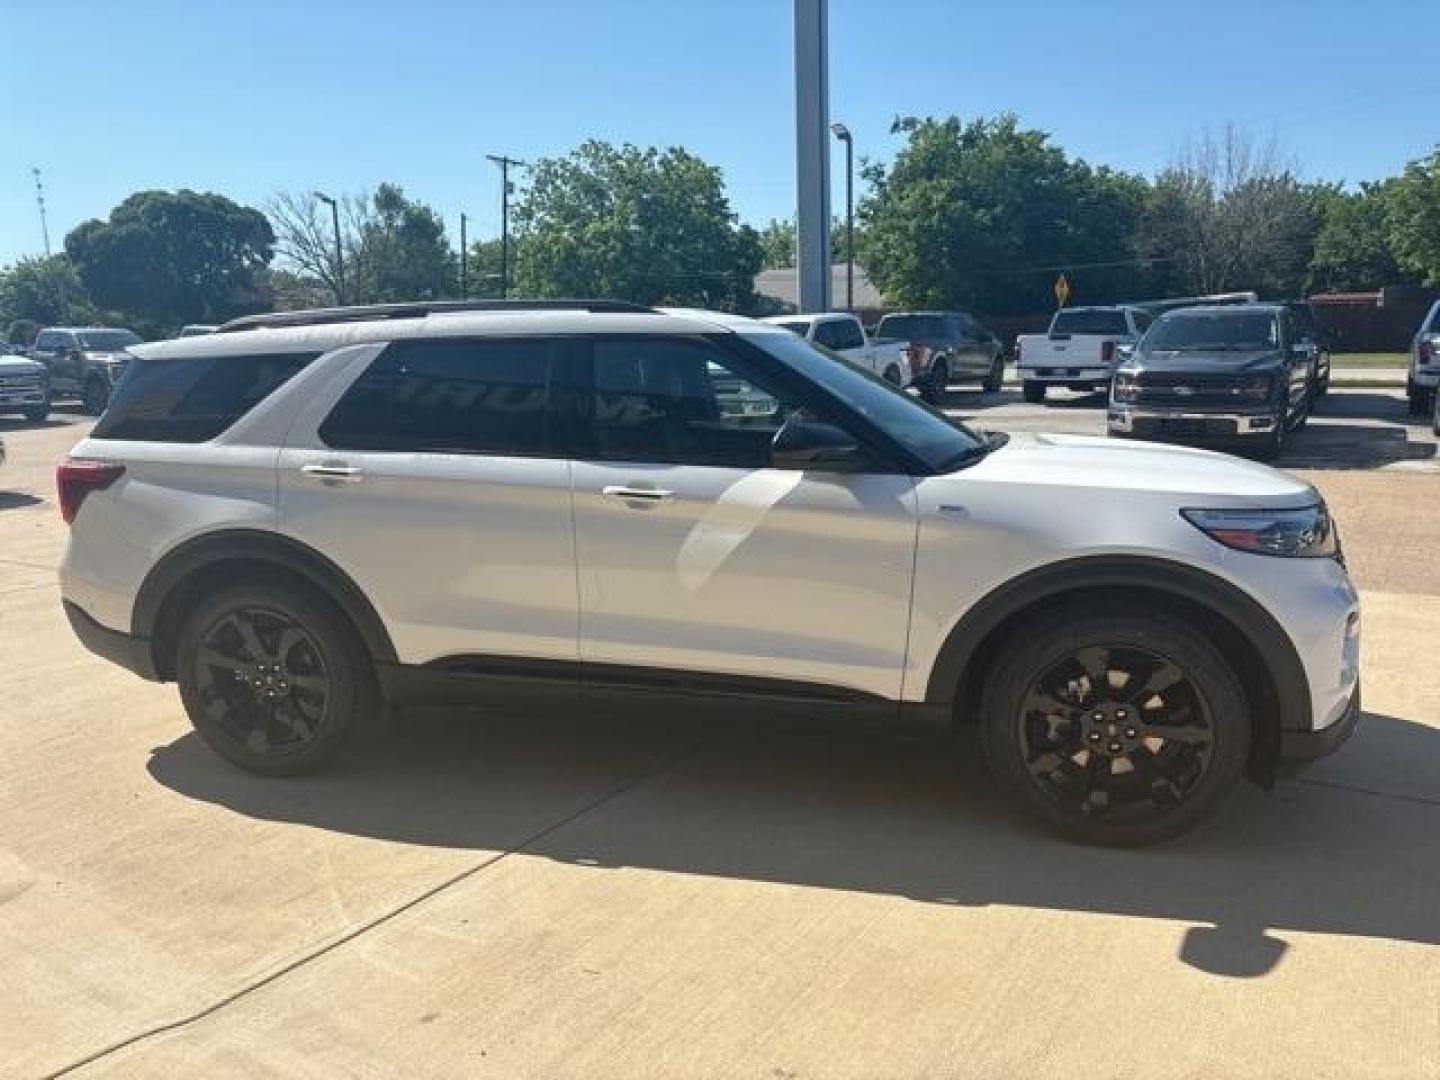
{"x":1080,"y":349}
{"x":841,"y":332}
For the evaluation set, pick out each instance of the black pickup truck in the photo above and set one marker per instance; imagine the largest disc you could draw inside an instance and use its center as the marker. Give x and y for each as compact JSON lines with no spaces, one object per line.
{"x":1238,"y":376}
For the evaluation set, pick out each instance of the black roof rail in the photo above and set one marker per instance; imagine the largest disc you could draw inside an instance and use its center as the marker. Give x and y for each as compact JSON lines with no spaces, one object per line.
{"x":420,"y":309}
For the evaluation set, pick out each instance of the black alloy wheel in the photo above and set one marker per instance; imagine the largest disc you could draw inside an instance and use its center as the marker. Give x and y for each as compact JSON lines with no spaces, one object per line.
{"x":995,"y":380}
{"x":936,"y":382}
{"x":272,"y":679}
{"x":1118,"y":729}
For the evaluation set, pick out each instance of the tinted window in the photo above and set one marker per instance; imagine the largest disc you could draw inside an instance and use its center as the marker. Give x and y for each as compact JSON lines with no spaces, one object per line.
{"x":451,"y":396}
{"x":192,"y":400}
{"x":1143,"y":319}
{"x":49,"y":340}
{"x":798,"y":327}
{"x":912,"y":327}
{"x":1435,"y":319}
{"x":935,"y":439}
{"x":108,"y":340}
{"x":848,"y":334}
{"x":1219,"y":329}
{"x":674,"y":401}
{"x":1109,"y":323}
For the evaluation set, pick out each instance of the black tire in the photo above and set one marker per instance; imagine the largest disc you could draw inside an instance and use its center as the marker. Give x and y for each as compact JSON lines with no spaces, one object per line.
{"x":1185,"y":776}
{"x":283,"y":703}
{"x":996,"y":379}
{"x":893,"y":376}
{"x":1419,"y":397}
{"x":1034,"y":392}
{"x":1304,"y":417}
{"x":1435,"y":413}
{"x":936,"y":380}
{"x":38,"y":414}
{"x":1273,"y":444}
{"x":95,"y":397}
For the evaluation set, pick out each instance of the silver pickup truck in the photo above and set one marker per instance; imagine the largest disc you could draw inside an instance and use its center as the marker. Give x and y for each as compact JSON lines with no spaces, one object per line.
{"x":841,"y":332}
{"x":1080,"y":349}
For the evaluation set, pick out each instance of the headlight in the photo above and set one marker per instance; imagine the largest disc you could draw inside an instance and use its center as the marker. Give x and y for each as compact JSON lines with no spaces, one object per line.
{"x":1125,"y":388}
{"x":1307,"y":533}
{"x":1256,"y":388}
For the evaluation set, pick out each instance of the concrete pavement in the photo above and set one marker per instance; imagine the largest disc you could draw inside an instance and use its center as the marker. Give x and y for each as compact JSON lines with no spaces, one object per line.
{"x":594,"y":896}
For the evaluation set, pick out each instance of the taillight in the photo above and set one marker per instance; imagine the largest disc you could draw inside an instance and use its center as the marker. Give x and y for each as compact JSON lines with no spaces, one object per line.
{"x":919,"y":355}
{"x":1107,"y":352}
{"x":76,"y":478}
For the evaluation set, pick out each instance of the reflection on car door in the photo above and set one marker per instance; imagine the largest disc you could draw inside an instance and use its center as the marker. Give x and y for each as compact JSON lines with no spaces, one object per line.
{"x":695,"y":556}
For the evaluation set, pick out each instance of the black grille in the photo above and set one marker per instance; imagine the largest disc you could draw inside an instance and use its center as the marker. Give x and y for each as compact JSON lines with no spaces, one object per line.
{"x":1186,"y":391}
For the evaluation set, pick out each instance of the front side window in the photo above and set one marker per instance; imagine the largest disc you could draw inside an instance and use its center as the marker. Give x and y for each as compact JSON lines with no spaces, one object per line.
{"x":452,"y":396}
{"x":192,"y":400}
{"x":680,"y":401}
{"x":107,"y":340}
{"x":848,"y":334}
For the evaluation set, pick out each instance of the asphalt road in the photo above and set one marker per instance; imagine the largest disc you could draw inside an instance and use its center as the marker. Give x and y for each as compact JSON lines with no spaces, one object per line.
{"x":595,"y":896}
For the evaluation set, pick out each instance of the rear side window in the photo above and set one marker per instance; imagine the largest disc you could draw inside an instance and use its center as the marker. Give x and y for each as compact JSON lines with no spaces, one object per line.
{"x":451,"y":396}
{"x":912,"y":327}
{"x":192,"y":400}
{"x":1081,"y":321}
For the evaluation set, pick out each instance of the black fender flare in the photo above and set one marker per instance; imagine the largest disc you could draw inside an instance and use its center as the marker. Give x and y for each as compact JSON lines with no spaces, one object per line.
{"x":1269,"y":641}
{"x":257,"y":546}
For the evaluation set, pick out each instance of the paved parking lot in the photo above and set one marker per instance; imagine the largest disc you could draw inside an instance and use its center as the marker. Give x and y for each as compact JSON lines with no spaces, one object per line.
{"x":593,"y":895}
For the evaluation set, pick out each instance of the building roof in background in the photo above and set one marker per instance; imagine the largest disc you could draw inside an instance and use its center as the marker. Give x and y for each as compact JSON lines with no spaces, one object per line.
{"x":784,"y":285}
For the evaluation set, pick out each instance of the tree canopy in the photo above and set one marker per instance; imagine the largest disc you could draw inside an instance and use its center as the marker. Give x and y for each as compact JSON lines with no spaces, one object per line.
{"x":166,"y":258}
{"x":401,"y":251}
{"x":648,"y":225}
{"x":41,"y":290}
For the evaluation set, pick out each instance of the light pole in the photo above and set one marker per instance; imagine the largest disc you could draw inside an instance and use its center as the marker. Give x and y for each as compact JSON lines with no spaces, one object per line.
{"x":463,"y":255}
{"x":843,"y":134}
{"x":339,"y":257}
{"x":504,"y":163}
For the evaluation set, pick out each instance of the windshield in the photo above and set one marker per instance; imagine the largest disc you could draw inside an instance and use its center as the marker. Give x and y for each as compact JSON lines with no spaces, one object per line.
{"x":1089,"y":322}
{"x":940,"y":442}
{"x":1223,"y":329}
{"x":911,"y":327}
{"x":107,"y":340}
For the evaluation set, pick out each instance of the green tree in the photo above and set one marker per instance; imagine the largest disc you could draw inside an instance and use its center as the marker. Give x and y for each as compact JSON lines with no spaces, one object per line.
{"x":482,"y":268}
{"x":1352,"y":248}
{"x":647,"y":225}
{"x":401,"y":251}
{"x":42,"y":289}
{"x":777,"y":243}
{"x":1413,"y":218}
{"x":164,"y":258}
{"x":983,"y":215}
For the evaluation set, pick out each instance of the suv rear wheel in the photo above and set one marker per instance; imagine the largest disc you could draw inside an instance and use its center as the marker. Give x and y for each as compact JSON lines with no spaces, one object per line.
{"x":272,"y":678}
{"x":936,"y":382}
{"x":1123,"y":729}
{"x":996,"y":378}
{"x":1034,"y":392}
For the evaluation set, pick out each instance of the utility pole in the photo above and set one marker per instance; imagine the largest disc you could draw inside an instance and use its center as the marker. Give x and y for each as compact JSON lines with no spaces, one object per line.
{"x":843,"y":134}
{"x":464,"y":255}
{"x":40,"y":201}
{"x":339,"y":256}
{"x":505,"y":163}
{"x":812,"y":152}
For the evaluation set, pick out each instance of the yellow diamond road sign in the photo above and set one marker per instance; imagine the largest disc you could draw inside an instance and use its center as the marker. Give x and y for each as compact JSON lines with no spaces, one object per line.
{"x":1062,"y":290}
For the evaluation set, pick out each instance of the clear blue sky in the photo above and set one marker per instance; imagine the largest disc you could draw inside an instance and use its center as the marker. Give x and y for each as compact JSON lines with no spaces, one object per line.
{"x":254,"y":96}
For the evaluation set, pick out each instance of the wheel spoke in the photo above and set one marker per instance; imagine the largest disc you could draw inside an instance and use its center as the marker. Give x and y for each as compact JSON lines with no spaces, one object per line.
{"x":1164,"y":676}
{"x":290,"y":637}
{"x":212,"y":657}
{"x":1095,"y":660}
{"x":244,"y":624}
{"x":293,"y":720}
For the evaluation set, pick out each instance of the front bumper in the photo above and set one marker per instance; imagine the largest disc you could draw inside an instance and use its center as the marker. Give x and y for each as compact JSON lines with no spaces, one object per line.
{"x":1298,"y":748}
{"x":1159,"y":423}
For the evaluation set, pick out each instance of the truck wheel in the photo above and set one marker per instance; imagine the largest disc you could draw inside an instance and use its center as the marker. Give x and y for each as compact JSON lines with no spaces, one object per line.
{"x":935,"y":383}
{"x":1034,"y":392}
{"x":1123,"y":728}
{"x":273,"y":679}
{"x":95,"y":397}
{"x":1416,"y":395}
{"x":996,"y":379}
{"x":38,"y":414}
{"x":1273,"y":444}
{"x":892,"y":375}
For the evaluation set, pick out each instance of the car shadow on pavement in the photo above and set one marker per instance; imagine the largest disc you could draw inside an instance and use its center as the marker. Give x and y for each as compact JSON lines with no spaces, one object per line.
{"x":1331,"y":445}
{"x":874,"y":812}
{"x":14,"y":500}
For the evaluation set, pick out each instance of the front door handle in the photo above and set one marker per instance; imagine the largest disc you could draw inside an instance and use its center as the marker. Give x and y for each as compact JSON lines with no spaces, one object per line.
{"x":629,"y":494}
{"x":342,"y":473}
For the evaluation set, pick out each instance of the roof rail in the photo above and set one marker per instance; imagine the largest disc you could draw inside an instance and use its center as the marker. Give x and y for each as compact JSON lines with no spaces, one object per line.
{"x":418,"y":310}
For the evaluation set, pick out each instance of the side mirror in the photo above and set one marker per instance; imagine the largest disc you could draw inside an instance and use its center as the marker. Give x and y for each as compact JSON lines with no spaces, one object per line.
{"x":803,"y":443}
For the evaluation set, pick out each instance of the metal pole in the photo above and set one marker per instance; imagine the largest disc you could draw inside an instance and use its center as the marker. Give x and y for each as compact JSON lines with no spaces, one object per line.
{"x":504,"y":162}
{"x":463,"y":256}
{"x":812,"y":158}
{"x":843,"y":134}
{"x":40,"y":199}
{"x":339,"y":256}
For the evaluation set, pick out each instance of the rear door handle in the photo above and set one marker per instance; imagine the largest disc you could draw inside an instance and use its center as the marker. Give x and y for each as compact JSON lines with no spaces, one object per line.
{"x":627,"y":494}
{"x":342,"y":473}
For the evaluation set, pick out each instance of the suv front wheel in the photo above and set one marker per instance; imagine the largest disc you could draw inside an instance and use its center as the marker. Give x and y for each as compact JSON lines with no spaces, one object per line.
{"x":1124,"y":729}
{"x":272,"y":678}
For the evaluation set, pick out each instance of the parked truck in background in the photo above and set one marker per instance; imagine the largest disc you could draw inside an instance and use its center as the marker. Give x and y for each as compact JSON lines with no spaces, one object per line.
{"x":1080,"y":350}
{"x":842,"y":333}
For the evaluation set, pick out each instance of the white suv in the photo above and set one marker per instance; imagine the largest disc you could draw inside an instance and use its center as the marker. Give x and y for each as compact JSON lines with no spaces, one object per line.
{"x":305,"y":516}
